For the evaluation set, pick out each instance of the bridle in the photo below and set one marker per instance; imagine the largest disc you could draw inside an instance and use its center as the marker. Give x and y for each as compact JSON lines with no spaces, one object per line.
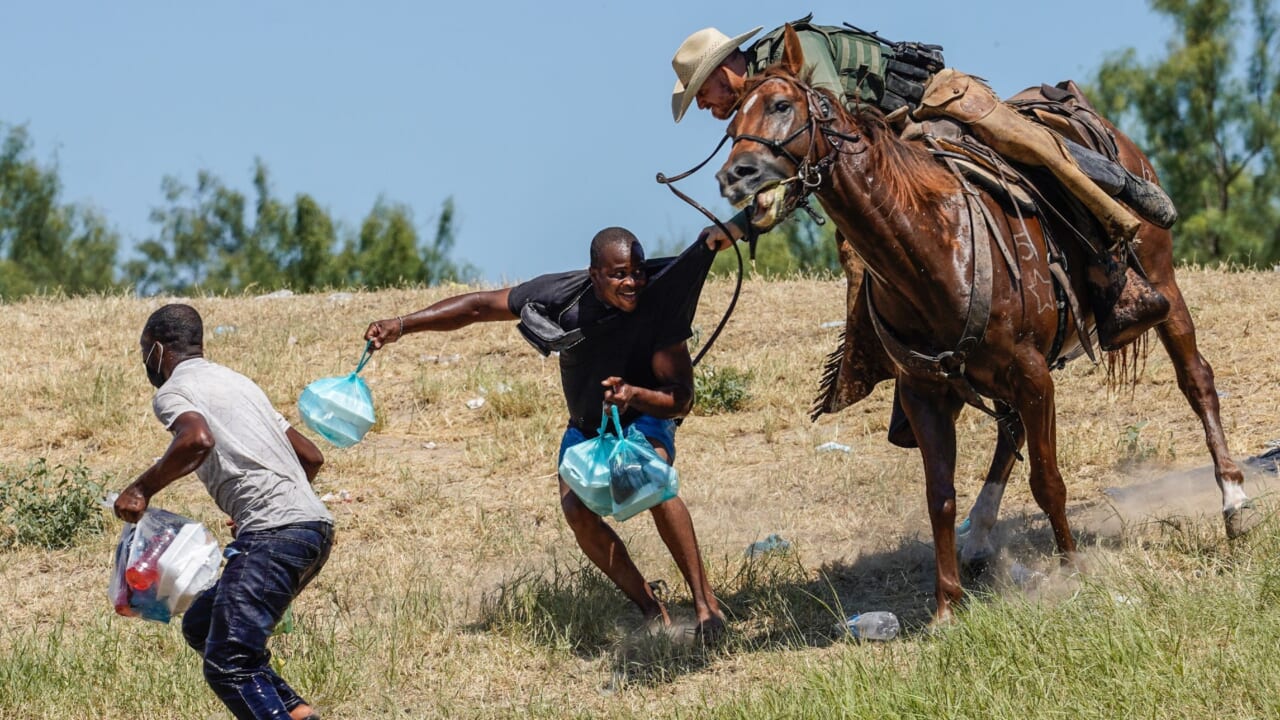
{"x":810,"y":174}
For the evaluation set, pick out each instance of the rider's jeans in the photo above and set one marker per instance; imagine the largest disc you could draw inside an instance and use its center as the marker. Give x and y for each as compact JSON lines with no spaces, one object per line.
{"x":229,"y":623}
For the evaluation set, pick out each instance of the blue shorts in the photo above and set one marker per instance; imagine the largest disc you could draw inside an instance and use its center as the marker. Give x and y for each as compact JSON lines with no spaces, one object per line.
{"x":658,"y":430}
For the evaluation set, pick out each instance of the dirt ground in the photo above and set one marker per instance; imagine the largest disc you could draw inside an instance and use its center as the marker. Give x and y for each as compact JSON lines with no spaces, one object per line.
{"x":462,"y":500}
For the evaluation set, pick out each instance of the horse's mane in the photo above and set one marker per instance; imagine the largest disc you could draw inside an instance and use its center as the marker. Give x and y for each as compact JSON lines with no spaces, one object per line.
{"x":910,"y":175}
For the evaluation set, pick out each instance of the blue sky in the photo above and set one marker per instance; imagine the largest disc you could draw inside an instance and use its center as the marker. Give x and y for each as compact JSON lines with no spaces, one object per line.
{"x":544,"y":121}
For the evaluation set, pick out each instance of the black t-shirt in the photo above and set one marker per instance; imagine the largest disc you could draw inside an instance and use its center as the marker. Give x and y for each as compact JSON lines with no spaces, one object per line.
{"x":622,"y":346}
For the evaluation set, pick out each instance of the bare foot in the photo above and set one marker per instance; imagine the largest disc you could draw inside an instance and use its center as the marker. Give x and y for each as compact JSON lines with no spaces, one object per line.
{"x":712,"y":630}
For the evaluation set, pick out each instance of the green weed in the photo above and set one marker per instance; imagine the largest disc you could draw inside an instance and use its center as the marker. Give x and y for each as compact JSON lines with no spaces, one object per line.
{"x":48,"y":507}
{"x":720,"y":390}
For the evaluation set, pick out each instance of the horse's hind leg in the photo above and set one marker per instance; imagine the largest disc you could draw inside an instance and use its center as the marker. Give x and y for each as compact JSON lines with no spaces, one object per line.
{"x":978,"y":547}
{"x":1195,"y":379}
{"x":1034,"y":401}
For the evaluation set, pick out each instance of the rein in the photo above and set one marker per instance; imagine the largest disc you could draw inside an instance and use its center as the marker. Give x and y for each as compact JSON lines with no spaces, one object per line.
{"x":751,"y":241}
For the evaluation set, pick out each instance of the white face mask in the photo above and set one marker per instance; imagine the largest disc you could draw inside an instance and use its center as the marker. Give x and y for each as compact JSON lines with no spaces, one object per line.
{"x":155,"y":377}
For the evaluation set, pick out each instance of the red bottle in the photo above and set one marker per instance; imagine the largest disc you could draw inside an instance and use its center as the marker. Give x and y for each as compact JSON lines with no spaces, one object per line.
{"x":145,"y":571}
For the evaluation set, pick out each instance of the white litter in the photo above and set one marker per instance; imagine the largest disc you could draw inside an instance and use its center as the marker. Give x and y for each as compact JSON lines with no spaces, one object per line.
{"x":833,"y":447}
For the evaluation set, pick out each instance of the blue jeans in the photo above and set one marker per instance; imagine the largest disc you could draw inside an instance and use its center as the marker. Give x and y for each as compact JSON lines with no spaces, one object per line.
{"x":659,"y":431}
{"x":230,"y":622}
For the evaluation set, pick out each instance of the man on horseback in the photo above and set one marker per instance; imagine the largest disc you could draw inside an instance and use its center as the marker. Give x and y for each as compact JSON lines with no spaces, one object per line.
{"x":908,"y":82}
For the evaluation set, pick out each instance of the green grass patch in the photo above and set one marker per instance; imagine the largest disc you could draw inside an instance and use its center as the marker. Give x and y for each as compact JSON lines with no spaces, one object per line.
{"x":1130,"y":640}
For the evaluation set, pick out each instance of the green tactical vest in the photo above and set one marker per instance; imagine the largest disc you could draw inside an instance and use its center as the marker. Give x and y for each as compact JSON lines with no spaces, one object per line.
{"x":872,"y":70}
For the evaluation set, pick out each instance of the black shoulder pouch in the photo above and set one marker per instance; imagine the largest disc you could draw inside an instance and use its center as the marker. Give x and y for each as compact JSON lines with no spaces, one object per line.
{"x":543,"y":333}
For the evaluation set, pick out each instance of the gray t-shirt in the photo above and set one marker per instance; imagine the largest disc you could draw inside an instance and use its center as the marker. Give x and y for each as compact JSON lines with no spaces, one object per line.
{"x":253,"y":473}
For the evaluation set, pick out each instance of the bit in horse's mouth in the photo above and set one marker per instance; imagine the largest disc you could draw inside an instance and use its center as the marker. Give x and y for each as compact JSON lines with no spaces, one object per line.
{"x":768,"y":206}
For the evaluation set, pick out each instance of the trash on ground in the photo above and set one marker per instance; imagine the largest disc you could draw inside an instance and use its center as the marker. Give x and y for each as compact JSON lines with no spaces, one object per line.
{"x":833,"y":324}
{"x":1024,"y":576}
{"x":440,"y":359}
{"x":428,"y":446}
{"x":878,"y":625}
{"x":340,"y":297}
{"x":340,"y":496}
{"x":772,"y":544}
{"x":277,"y":294}
{"x":833,"y":447}
{"x":1268,"y":461}
{"x":475,"y":403}
{"x":224,"y":329}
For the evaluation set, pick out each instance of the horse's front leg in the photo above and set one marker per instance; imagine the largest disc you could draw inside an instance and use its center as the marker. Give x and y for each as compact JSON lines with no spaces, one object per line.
{"x":932,"y":410}
{"x":1034,"y":401}
{"x":978,"y":547}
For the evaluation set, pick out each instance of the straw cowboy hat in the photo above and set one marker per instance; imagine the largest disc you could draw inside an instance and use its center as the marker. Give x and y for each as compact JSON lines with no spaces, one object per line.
{"x":699,"y":54}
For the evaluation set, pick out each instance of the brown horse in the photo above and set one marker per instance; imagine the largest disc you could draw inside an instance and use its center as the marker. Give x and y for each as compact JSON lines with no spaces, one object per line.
{"x":962,"y":322}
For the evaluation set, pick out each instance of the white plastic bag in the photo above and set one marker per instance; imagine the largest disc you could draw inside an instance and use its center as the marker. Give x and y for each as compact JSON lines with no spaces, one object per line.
{"x":161,"y":564}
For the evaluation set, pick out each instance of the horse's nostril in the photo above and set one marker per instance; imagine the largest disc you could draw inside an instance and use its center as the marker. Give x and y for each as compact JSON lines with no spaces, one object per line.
{"x":744,"y":171}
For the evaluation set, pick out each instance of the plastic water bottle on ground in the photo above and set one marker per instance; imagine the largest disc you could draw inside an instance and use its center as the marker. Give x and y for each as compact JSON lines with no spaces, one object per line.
{"x":772,"y":544}
{"x":877,"y":625}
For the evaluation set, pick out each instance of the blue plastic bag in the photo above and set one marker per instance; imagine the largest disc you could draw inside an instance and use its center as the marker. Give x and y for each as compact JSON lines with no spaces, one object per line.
{"x":585,"y":468}
{"x":618,"y":474}
{"x":638,"y":478}
{"x":339,"y":408}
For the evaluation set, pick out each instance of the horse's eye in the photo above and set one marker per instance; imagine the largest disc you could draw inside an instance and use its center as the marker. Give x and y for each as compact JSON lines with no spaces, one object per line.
{"x":782,"y":106}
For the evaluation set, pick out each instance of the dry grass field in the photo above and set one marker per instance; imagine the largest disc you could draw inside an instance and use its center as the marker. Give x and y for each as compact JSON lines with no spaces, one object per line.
{"x":455,"y":588}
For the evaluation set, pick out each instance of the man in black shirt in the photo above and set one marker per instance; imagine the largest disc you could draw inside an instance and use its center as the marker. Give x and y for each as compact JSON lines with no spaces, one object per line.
{"x":625,"y":348}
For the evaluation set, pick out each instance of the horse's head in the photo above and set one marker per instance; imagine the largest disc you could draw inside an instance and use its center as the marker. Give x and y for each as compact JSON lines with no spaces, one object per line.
{"x":781,"y":142}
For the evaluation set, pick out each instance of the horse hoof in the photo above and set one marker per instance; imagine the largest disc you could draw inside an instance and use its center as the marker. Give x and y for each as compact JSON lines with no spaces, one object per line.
{"x":1240,"y":520}
{"x":978,"y":565}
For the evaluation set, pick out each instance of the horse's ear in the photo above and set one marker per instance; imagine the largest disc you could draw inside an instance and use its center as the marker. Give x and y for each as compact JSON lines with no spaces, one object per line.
{"x":792,"y":55}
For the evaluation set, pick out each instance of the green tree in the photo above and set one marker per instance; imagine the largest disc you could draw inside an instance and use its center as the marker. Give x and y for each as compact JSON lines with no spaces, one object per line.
{"x":1208,"y":115}
{"x":210,"y":240}
{"x":201,"y":228}
{"x":389,"y":251}
{"x":45,"y":245}
{"x":307,"y":255}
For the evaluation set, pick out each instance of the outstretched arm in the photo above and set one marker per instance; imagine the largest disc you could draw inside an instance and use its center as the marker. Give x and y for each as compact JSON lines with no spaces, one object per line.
{"x":715,"y":238}
{"x":448,"y":314}
{"x":192,"y":442}
{"x":674,"y":395}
